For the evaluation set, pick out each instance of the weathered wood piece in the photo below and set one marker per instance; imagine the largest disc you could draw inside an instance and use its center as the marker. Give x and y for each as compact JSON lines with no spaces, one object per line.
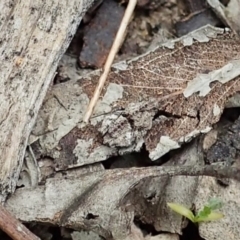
{"x":104,"y":201}
{"x":161,"y":99}
{"x":33,"y":37}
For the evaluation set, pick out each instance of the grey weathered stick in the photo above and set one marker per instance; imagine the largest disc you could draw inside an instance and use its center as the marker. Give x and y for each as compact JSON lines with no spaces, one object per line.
{"x":74,"y":194}
{"x":226,"y":13}
{"x":33,"y":37}
{"x":96,"y":200}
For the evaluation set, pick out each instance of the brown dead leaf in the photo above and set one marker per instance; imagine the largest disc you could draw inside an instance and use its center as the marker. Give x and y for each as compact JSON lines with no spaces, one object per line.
{"x":154,"y":99}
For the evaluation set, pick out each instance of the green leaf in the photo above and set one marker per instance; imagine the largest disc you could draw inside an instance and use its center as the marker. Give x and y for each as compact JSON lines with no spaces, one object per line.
{"x":180,"y":209}
{"x":204,"y":212}
{"x":211,"y":217}
{"x":215,"y":203}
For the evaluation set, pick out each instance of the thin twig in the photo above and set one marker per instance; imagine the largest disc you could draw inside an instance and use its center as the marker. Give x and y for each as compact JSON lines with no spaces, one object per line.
{"x":15,"y":229}
{"x":115,"y":47}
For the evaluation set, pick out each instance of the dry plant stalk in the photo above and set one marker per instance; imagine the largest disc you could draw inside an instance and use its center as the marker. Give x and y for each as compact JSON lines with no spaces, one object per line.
{"x":115,"y":47}
{"x":15,"y":229}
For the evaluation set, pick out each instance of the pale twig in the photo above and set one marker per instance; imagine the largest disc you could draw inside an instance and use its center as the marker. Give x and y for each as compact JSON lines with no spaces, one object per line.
{"x":115,"y":47}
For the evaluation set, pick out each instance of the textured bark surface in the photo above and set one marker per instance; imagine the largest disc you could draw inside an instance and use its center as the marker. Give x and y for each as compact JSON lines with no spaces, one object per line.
{"x":107,"y":201}
{"x":33,"y":37}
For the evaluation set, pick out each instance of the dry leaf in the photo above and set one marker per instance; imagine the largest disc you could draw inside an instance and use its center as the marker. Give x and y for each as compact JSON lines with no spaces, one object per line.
{"x":155,"y":99}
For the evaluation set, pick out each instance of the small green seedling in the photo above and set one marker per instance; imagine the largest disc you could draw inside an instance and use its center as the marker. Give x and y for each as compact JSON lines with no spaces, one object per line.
{"x":206,"y":214}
